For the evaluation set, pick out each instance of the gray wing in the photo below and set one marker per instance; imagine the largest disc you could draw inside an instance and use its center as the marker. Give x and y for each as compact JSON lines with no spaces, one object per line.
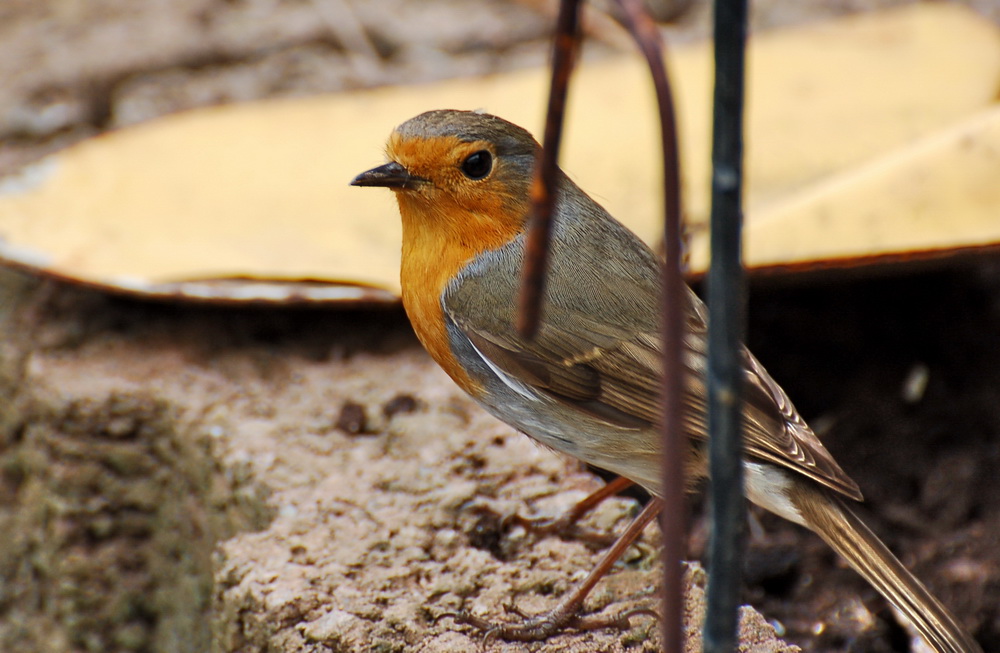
{"x":610,"y":367}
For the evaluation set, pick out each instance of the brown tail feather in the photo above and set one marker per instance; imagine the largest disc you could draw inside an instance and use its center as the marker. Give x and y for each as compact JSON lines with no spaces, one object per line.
{"x":848,"y":535}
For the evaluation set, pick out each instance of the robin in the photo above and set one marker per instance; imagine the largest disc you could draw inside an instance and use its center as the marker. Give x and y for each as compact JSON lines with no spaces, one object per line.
{"x":588,"y":384}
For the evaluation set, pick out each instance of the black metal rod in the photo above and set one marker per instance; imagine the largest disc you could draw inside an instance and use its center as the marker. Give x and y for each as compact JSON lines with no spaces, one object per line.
{"x":727,"y":318}
{"x":673,"y":518}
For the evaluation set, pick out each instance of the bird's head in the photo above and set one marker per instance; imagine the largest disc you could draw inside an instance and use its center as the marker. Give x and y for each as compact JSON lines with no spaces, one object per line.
{"x":459,"y":175}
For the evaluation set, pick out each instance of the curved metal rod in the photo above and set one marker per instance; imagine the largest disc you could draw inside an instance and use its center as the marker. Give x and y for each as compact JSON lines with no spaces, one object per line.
{"x":673,"y":520}
{"x":646,"y":35}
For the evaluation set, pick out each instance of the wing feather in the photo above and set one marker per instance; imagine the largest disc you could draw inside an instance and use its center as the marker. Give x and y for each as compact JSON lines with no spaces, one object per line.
{"x":611,"y":367}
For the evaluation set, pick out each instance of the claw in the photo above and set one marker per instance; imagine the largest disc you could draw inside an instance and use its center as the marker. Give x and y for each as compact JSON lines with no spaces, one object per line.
{"x":511,"y":608}
{"x":565,"y":614}
{"x":542,"y":626}
{"x":457,"y":616}
{"x":563,"y":526}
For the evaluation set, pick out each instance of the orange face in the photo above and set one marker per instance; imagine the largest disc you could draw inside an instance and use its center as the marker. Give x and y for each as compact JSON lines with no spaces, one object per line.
{"x":462,"y":191}
{"x":460,"y":199}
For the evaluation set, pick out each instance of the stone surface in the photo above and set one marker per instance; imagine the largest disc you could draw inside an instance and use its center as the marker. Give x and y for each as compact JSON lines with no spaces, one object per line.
{"x":174,"y":480}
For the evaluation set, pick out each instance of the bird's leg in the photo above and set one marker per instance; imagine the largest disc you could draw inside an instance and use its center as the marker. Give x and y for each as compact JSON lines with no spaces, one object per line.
{"x":566,"y":613}
{"x":566,"y":523}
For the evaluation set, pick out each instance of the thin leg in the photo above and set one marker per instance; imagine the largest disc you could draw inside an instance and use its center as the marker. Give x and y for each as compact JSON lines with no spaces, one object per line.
{"x":565,"y":614}
{"x":566,"y":522}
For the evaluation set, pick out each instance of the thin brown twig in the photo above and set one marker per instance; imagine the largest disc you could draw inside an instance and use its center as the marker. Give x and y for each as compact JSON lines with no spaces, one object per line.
{"x":597,"y":24}
{"x":536,"y":250}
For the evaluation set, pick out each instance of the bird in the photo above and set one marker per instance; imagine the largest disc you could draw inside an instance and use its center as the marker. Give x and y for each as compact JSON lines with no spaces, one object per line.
{"x":589,"y":383}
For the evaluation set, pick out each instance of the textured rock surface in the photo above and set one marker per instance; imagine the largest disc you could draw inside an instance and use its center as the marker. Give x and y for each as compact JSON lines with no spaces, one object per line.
{"x":159,"y":462}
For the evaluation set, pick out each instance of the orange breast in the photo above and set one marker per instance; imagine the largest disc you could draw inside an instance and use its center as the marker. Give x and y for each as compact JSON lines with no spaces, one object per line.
{"x":433,"y":254}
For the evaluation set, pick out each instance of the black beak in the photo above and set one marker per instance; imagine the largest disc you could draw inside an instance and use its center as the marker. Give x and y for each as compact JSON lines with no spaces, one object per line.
{"x":391,"y":175}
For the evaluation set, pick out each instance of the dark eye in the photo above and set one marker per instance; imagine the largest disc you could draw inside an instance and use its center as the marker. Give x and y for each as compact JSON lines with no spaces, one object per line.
{"x":478,"y":164}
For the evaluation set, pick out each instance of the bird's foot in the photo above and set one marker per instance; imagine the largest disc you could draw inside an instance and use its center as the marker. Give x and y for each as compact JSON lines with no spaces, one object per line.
{"x":540,"y":627}
{"x":563,"y":526}
{"x":566,"y":525}
{"x":567,"y":613}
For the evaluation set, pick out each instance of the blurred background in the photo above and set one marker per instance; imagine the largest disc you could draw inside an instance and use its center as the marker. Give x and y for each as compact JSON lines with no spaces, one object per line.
{"x":898,"y":369}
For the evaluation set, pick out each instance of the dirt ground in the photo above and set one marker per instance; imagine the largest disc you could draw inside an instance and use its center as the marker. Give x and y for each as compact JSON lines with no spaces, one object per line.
{"x":149,"y":453}
{"x":849,"y":351}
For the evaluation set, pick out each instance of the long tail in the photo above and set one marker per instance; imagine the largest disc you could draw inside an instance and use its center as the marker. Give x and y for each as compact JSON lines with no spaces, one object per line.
{"x":841,"y":529}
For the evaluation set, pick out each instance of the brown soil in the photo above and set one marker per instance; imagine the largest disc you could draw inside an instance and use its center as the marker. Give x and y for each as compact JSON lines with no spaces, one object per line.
{"x":845,"y":350}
